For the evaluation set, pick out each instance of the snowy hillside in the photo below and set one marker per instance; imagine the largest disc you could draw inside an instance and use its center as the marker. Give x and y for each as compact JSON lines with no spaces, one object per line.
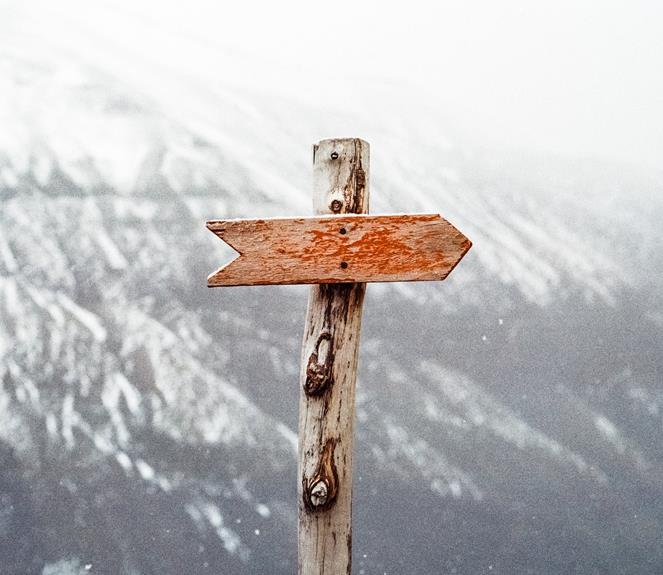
{"x":510,"y":416}
{"x":140,"y":130}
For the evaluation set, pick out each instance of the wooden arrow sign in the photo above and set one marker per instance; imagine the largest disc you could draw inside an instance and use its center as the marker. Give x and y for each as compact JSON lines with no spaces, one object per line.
{"x":338,"y":249}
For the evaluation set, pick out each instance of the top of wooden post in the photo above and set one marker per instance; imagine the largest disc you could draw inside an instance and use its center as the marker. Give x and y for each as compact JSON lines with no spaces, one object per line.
{"x":340,"y":176}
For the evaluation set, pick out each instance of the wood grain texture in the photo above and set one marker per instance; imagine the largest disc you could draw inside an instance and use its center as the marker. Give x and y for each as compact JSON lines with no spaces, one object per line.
{"x":339,"y":249}
{"x":328,"y":375}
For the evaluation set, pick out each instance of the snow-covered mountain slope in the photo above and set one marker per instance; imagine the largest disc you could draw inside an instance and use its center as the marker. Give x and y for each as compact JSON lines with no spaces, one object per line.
{"x":148,"y":129}
{"x":509,"y":417}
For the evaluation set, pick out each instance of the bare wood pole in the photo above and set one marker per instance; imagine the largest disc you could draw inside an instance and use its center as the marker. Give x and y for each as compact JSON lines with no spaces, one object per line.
{"x":328,"y":374}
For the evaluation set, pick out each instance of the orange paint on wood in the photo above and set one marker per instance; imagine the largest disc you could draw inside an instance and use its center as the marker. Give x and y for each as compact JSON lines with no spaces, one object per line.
{"x":338,"y":249}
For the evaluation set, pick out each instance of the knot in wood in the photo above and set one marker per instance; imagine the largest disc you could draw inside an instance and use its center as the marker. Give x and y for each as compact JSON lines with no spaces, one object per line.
{"x":321,"y":490}
{"x":336,"y":206}
{"x":319,"y":493}
{"x":319,"y":374}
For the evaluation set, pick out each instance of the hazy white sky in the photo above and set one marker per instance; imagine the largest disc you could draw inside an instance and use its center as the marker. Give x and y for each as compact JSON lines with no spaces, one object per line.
{"x":578,"y":77}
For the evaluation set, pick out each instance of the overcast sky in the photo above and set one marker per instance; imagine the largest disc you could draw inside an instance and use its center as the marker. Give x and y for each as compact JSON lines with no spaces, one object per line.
{"x":578,"y":77}
{"x":581,"y":77}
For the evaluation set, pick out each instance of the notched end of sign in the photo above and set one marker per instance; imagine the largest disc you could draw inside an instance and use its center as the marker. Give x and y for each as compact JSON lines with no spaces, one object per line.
{"x":219,"y":277}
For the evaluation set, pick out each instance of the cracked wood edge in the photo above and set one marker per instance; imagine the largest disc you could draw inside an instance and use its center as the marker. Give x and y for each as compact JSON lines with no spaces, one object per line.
{"x":328,"y":375}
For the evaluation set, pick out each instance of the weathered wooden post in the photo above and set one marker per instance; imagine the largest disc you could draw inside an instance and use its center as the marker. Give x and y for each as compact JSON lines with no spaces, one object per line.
{"x":328,"y":374}
{"x":337,"y":251}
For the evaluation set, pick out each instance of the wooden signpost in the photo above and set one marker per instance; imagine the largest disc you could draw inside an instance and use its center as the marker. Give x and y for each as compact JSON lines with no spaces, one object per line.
{"x":337,"y":249}
{"x":338,"y":254}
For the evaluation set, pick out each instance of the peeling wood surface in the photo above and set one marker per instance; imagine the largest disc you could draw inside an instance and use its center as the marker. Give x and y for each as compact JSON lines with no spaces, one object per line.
{"x":340,"y":249}
{"x":328,"y":375}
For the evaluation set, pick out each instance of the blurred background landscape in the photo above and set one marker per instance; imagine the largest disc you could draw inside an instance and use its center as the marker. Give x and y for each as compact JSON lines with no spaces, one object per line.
{"x":509,"y":420}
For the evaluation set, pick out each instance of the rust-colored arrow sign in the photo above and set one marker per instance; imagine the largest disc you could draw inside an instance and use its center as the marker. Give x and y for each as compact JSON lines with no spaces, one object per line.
{"x":338,"y":249}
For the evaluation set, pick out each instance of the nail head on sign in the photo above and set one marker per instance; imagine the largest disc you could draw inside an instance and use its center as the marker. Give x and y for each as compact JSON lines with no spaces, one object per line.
{"x":334,"y":155}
